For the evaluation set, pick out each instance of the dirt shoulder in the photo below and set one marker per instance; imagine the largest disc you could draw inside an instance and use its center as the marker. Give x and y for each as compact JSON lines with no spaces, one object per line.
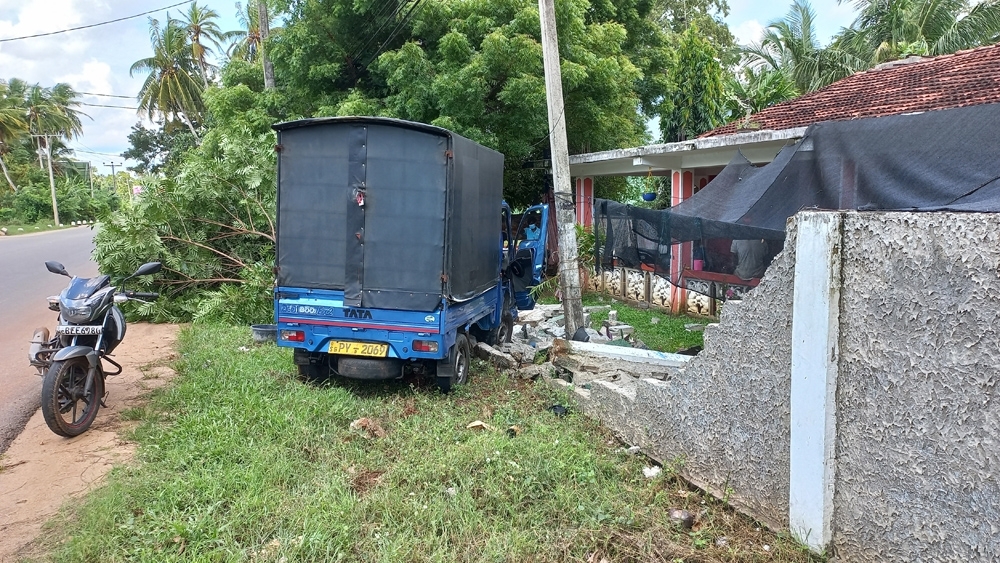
{"x":40,"y":471}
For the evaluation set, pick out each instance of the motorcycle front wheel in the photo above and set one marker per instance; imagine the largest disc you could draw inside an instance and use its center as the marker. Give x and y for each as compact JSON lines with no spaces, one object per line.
{"x":69,"y":409}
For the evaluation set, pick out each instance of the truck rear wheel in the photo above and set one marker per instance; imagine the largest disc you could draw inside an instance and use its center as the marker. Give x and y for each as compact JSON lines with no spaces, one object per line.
{"x":455,"y":369}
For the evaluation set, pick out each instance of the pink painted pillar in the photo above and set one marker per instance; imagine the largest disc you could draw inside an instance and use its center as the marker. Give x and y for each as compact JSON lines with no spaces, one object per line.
{"x":585,"y":201}
{"x":681,"y":188}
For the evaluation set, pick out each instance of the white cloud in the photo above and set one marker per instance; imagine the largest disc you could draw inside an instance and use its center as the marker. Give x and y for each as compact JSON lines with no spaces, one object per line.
{"x":747,"y":32}
{"x":94,"y":60}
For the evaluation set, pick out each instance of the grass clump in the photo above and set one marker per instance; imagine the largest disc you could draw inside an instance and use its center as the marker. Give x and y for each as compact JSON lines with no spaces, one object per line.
{"x":657,"y":329}
{"x":239,"y":461}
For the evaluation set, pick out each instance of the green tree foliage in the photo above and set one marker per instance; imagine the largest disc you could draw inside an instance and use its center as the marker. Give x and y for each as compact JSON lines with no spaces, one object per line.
{"x":211,"y":224}
{"x":12,"y":126}
{"x":677,"y":15}
{"x":696,"y":103}
{"x":790,"y":46}
{"x":475,"y":67}
{"x":756,"y":88}
{"x":203,"y":34}
{"x":886,"y":30}
{"x":157,"y":150}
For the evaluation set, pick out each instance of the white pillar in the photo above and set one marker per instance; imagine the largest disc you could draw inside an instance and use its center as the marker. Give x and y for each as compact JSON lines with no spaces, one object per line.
{"x":815,"y":356}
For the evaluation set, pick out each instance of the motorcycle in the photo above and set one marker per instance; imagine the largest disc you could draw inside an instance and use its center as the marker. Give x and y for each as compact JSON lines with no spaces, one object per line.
{"x":71,"y":362}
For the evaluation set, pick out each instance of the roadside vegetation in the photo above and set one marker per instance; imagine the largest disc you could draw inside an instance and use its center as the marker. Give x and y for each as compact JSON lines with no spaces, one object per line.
{"x":658,"y":330}
{"x":239,"y":461}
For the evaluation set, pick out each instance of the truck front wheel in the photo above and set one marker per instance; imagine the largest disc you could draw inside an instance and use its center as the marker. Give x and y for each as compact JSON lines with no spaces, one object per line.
{"x":455,"y":369}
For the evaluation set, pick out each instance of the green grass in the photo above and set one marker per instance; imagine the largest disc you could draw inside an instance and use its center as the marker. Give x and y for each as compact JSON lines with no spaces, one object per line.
{"x":19,"y":229}
{"x":666,"y":333}
{"x":239,"y":461}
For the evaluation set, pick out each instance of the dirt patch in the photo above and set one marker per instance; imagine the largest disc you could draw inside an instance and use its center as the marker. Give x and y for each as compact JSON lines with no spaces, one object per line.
{"x":40,"y":470}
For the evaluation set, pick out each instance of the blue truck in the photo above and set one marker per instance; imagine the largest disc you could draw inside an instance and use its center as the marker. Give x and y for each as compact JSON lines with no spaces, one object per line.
{"x":395,"y":251}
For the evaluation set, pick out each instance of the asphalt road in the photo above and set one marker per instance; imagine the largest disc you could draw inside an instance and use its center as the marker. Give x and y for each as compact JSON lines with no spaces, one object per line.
{"x":24,"y":285}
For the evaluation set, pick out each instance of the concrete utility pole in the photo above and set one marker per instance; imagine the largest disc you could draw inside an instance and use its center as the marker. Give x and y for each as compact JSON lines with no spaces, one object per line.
{"x":569,"y":268}
{"x":52,"y":181}
{"x":114,"y":179}
{"x":264,"y":28}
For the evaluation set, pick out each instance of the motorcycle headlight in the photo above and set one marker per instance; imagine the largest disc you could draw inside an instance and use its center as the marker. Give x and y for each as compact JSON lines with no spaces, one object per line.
{"x":77,"y":314}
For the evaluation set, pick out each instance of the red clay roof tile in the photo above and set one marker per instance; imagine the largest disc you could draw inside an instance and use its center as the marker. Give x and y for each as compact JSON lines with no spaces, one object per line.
{"x":965,"y":78}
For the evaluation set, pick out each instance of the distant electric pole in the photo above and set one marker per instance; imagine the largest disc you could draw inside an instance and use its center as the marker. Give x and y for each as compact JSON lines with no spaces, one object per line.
{"x":52,"y":181}
{"x":569,"y":269}
{"x":114,"y":178}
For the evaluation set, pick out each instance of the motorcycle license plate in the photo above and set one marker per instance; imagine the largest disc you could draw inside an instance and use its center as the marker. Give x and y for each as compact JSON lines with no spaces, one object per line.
{"x":79,"y":330}
{"x":369,"y":349}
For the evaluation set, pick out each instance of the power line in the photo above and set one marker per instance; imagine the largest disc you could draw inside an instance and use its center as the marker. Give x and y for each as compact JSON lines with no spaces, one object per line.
{"x":95,"y":152}
{"x":93,"y":24}
{"x":399,"y":8}
{"x":105,"y":106}
{"x":406,"y":19}
{"x":106,"y":95}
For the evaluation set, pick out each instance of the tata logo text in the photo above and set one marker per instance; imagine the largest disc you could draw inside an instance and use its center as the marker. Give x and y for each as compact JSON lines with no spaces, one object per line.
{"x":357,"y":313}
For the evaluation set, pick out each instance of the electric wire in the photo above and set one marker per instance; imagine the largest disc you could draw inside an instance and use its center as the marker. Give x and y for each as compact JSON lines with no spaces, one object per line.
{"x":106,"y":106}
{"x":399,"y":6}
{"x":106,"y":95}
{"x":369,"y":22}
{"x":95,"y":152}
{"x":93,"y":24}
{"x":406,"y":19}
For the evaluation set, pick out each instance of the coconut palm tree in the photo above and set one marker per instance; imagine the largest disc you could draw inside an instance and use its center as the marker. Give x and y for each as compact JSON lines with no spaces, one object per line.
{"x":171,"y":91}
{"x":246,"y":42}
{"x":790,"y":45}
{"x":12,"y":125}
{"x":886,"y":30}
{"x":50,"y":112}
{"x":203,"y":34}
{"x":754,"y":89}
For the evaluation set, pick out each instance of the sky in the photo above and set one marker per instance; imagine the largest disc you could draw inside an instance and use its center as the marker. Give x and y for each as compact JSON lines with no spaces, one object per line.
{"x":97,"y":60}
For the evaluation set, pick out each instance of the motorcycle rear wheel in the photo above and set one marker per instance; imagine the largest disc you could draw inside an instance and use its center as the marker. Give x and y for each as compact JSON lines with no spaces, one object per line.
{"x":68,"y":409}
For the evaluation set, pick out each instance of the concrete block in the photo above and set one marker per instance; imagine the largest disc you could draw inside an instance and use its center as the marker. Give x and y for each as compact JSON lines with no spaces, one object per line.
{"x":496,"y":357}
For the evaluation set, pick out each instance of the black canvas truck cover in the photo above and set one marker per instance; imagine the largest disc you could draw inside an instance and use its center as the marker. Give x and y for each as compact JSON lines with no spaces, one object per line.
{"x":394,"y":213}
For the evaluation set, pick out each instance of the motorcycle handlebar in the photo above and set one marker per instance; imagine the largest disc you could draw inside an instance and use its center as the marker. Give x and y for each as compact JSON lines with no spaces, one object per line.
{"x":142,"y":295}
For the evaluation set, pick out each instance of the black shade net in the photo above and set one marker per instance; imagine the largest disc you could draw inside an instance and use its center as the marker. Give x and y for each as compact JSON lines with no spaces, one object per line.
{"x":935,"y":161}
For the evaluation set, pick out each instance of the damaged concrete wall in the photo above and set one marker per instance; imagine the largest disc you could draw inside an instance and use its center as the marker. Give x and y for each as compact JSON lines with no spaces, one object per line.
{"x":918,"y":420}
{"x":726,"y":414}
{"x":913,"y":415}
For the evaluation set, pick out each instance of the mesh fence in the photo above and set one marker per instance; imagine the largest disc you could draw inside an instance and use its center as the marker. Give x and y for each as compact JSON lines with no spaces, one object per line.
{"x":935,"y":161}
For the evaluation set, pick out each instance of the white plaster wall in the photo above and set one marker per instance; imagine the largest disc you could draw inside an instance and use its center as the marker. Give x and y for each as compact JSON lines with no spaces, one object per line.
{"x":918,"y":411}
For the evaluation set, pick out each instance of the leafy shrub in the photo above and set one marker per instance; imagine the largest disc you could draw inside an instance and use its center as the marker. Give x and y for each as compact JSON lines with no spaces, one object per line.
{"x":212,"y":227}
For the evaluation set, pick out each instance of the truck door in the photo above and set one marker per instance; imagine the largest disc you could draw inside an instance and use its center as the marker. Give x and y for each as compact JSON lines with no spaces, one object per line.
{"x":529,"y":260}
{"x":396,"y":229}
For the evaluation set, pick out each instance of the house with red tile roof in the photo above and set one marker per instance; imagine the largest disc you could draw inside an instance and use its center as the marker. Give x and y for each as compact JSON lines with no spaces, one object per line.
{"x":911,"y":85}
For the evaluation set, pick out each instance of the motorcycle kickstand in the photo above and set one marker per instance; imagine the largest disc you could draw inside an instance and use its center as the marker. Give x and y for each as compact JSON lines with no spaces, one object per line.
{"x":103,"y":404}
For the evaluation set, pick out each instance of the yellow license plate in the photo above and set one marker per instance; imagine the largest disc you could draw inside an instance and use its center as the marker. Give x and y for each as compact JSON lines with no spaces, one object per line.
{"x":358,"y":349}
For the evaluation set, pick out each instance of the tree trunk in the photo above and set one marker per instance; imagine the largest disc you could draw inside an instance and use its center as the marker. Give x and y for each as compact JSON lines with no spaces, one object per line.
{"x":190,"y":125}
{"x":264,"y":28}
{"x":7,"y":174}
{"x":204,"y":72}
